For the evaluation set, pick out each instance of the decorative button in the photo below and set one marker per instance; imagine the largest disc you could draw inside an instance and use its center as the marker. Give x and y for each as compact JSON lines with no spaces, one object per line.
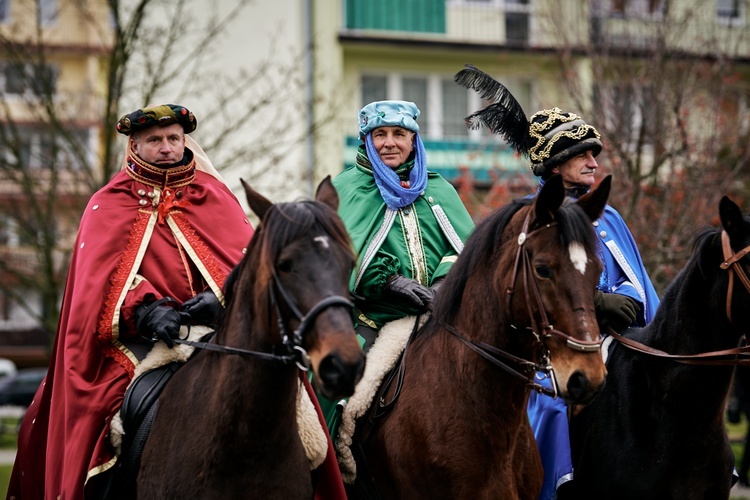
{"x":82,"y":244}
{"x":603,"y":234}
{"x":141,"y":192}
{"x":596,"y":223}
{"x":244,"y":250}
{"x":142,"y":202}
{"x":178,"y":194}
{"x":429,"y":199}
{"x":95,"y":207}
{"x":150,"y":194}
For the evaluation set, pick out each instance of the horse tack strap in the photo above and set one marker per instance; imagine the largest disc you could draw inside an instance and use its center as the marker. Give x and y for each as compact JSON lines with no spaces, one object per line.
{"x":489,"y":353}
{"x":732,"y":260}
{"x":734,"y":356}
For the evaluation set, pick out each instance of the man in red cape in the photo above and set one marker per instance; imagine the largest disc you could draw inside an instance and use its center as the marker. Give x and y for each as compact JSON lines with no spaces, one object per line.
{"x":164,"y":226}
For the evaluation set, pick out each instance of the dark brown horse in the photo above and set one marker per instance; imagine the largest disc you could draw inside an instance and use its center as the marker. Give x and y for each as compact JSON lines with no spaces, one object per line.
{"x":225,"y":425}
{"x":520,"y":298}
{"x":657,"y":429}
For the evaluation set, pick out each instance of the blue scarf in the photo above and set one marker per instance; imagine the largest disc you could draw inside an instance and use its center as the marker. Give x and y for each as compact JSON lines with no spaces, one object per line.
{"x":394,"y":194}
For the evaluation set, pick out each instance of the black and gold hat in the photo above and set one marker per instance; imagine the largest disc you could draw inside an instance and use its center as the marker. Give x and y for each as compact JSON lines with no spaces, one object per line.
{"x":548,"y":139}
{"x":556,"y":137}
{"x":160,"y":115}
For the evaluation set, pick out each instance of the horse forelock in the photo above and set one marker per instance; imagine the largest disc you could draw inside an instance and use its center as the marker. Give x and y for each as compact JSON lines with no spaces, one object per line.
{"x":575,"y":227}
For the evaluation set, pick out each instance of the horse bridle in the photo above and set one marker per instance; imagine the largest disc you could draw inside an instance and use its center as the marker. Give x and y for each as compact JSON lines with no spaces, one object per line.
{"x":292,"y":343}
{"x":734,"y":356}
{"x":547,"y":330}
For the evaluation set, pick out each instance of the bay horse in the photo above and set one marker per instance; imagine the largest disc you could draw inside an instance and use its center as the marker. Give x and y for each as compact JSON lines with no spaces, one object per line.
{"x":657,"y":431}
{"x":519,"y":298}
{"x":225,"y":425}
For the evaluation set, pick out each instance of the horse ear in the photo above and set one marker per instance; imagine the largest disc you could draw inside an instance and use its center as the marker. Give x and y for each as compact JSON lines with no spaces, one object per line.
{"x":731,"y":217}
{"x":593,"y":202}
{"x":327,"y":194}
{"x":549,"y":199}
{"x":258,"y":203}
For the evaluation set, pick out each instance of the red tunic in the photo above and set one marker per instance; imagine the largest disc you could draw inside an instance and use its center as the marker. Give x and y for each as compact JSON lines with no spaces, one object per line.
{"x":129,"y":249}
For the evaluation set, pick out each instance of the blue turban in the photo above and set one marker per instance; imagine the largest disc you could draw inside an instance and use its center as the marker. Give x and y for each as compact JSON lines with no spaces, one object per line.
{"x":388,"y":114}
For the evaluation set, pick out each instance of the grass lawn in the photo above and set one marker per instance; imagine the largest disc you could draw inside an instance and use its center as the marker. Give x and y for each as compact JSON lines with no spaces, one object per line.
{"x":5,"y":478}
{"x":8,"y":441}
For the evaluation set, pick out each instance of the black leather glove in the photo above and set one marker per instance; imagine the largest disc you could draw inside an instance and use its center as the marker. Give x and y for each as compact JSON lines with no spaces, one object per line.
{"x":156,"y":320}
{"x":615,"y":310}
{"x":415,"y":292}
{"x":204,"y":309}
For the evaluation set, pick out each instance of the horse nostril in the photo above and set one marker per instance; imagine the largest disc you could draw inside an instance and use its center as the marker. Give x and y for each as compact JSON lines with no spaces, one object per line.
{"x":579,"y":387}
{"x":338,"y":377}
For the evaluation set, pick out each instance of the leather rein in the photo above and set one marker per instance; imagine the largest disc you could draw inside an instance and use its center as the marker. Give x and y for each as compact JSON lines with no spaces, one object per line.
{"x":734,"y":356}
{"x":292,"y":344}
{"x":541,"y":330}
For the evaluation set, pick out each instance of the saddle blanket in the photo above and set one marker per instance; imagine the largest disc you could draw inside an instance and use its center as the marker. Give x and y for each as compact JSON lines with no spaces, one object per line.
{"x":312,"y":434}
{"x":381,"y":359}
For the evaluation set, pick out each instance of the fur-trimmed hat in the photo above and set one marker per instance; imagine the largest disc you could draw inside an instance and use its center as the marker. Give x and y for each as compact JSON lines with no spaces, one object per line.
{"x":556,"y":137}
{"x":388,"y":114}
{"x":551,"y":136}
{"x":161,"y":115}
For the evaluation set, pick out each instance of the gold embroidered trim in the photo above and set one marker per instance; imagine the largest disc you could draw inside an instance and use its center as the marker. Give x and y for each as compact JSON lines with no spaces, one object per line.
{"x":367,"y":321}
{"x":198,"y":251}
{"x":414,"y":244}
{"x":173,"y":177}
{"x":537,"y":129}
{"x":99,"y":469}
{"x":124,"y":274}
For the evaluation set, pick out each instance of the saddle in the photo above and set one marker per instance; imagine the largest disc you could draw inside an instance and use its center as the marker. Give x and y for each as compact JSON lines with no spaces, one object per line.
{"x":138,"y":410}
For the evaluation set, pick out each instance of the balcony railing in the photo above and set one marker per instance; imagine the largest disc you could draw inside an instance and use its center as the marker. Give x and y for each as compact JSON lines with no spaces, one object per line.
{"x":460,"y":21}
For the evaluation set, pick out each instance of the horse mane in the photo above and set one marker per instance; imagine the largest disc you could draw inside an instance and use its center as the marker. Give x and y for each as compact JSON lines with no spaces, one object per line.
{"x":486,"y":239}
{"x":701,"y":261}
{"x":287,"y":222}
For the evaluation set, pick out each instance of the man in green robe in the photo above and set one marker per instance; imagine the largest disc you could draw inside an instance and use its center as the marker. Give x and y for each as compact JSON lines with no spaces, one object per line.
{"x":407,"y":225}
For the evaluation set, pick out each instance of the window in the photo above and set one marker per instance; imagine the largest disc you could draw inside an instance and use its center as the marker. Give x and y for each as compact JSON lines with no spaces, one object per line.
{"x":373,"y":89}
{"x":443,"y":104}
{"x":637,"y":9}
{"x":47,"y":12}
{"x":455,"y":109}
{"x":415,"y":90}
{"x":28,"y":80}
{"x":35,"y":148}
{"x":730,"y":12}
{"x":632,"y":111}
{"x":4,"y":11}
{"x":517,"y":13}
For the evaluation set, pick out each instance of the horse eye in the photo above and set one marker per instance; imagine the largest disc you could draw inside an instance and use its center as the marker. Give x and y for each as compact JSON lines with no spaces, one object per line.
{"x":543,"y":271}
{"x":284,"y":265}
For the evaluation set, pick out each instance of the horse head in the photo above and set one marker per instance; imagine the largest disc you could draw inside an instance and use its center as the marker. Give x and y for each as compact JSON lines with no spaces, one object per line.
{"x":735,"y":247}
{"x":557,"y":270}
{"x":302,"y":255}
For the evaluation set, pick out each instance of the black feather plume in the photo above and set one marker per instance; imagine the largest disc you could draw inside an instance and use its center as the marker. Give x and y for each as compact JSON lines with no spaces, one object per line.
{"x":504,"y":117}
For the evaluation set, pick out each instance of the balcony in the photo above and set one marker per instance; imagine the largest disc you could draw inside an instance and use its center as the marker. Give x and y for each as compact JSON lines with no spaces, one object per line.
{"x":483,"y":22}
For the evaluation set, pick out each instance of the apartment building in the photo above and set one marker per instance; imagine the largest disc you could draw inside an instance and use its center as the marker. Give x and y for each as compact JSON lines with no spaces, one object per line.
{"x":53,"y":56}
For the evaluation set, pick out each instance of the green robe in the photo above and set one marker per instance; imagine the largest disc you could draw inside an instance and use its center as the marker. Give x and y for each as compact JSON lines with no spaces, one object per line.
{"x":417,"y":245}
{"x":419,"y":241}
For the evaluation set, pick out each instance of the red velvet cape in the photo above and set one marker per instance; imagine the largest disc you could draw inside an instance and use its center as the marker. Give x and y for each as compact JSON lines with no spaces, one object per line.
{"x":63,"y":439}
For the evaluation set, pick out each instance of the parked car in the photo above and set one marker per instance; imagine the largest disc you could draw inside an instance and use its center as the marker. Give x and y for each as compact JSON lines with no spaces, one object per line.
{"x":19,"y":388}
{"x":7,"y":367}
